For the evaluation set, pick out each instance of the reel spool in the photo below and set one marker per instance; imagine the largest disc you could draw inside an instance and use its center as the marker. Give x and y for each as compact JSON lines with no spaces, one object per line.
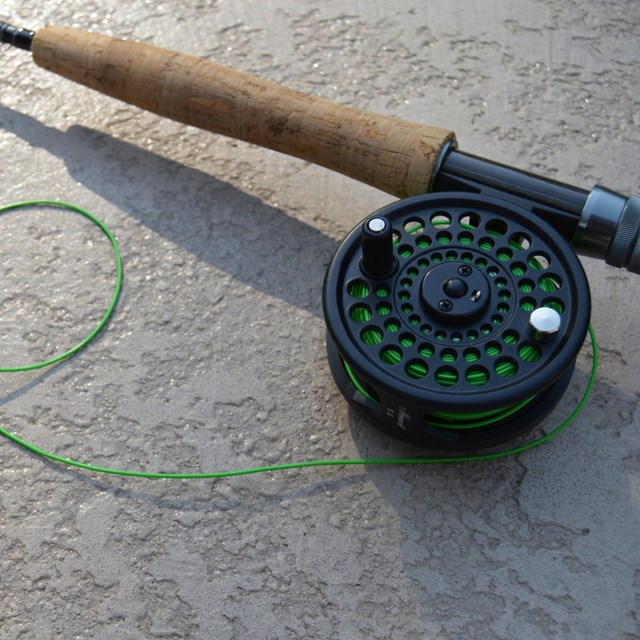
{"x":454,"y":320}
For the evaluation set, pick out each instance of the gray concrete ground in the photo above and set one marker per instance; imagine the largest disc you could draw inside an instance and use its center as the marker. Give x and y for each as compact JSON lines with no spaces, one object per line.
{"x":215,"y":357}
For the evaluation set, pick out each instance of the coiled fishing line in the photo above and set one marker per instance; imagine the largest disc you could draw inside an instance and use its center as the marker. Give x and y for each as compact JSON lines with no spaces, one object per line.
{"x":116,"y":292}
{"x":474,"y":420}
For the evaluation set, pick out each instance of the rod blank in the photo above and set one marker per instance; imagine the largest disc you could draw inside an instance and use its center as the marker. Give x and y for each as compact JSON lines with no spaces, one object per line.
{"x":16,"y":36}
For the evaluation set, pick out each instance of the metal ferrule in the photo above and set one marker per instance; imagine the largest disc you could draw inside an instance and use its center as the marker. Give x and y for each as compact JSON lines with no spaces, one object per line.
{"x":16,"y":36}
{"x":598,"y":222}
{"x":624,"y":249}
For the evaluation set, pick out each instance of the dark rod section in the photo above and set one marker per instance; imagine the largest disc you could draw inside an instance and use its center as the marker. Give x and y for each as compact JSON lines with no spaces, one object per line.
{"x":16,"y":36}
{"x":513,"y":181}
{"x":601,"y":223}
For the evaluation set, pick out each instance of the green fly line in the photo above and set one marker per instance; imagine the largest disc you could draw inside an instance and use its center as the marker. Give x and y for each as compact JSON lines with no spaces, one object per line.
{"x":116,"y":293}
{"x":257,"y":469}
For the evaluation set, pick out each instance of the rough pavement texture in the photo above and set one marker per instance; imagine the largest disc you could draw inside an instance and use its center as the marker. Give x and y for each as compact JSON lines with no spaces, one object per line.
{"x":215,"y":357}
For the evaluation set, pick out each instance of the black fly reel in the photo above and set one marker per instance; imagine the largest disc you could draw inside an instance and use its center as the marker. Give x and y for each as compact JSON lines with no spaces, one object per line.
{"x":454,"y":320}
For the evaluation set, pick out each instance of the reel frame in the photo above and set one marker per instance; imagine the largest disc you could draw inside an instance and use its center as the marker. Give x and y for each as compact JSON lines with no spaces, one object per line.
{"x":429,"y":309}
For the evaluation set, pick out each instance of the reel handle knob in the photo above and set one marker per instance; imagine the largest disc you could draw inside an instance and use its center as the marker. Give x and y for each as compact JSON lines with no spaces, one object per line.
{"x":378,"y":260}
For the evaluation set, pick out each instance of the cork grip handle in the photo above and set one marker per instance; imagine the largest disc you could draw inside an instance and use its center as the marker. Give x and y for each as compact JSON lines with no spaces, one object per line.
{"x":394,"y":155}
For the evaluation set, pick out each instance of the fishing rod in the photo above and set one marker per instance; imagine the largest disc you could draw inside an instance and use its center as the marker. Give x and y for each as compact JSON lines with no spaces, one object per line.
{"x":454,"y":315}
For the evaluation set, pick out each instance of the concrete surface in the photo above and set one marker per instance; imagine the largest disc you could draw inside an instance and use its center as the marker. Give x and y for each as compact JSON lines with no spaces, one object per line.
{"x":215,"y":357}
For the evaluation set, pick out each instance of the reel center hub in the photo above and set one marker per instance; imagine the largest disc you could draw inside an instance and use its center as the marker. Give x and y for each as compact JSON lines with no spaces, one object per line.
{"x":455,"y":292}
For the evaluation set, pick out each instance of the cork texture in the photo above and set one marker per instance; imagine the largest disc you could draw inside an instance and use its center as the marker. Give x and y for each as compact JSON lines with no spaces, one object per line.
{"x":390,"y":154}
{"x":215,"y":358}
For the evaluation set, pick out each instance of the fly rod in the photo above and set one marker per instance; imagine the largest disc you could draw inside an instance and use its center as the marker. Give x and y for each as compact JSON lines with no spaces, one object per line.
{"x":454,"y":315}
{"x":397,"y":156}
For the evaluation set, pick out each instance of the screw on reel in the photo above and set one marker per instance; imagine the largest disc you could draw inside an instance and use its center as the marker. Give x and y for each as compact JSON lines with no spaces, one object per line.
{"x":454,"y":320}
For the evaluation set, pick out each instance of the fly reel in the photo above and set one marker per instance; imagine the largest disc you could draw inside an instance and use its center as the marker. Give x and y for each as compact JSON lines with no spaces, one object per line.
{"x":454,"y":320}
